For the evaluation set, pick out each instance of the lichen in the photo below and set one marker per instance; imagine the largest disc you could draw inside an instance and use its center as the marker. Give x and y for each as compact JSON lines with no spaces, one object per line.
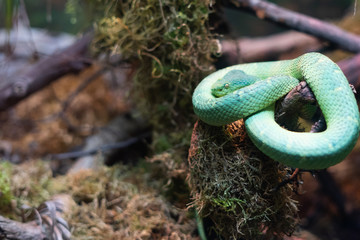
{"x":235,"y":185}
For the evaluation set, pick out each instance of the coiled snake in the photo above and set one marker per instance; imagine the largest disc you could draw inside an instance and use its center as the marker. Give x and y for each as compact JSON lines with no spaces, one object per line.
{"x":226,"y":96}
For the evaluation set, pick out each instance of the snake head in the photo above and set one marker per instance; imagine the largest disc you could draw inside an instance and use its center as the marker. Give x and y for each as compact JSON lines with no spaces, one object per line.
{"x":230,"y":82}
{"x":220,"y":88}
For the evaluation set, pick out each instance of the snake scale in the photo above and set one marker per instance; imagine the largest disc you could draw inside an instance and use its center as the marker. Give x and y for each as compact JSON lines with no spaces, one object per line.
{"x":253,"y":99}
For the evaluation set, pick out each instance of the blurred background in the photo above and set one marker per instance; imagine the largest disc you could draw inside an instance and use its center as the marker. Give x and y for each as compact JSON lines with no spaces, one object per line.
{"x":83,"y":103}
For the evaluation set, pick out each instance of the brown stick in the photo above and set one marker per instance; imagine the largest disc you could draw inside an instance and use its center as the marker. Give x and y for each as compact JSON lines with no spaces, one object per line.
{"x":269,"y":47}
{"x":302,"y":23}
{"x":47,"y":70}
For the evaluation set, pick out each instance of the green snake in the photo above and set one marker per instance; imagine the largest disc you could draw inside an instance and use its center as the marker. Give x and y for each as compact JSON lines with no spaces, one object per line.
{"x":250,"y":90}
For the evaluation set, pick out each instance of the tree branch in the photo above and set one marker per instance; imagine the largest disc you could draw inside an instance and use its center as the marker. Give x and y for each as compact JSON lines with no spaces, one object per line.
{"x":47,"y":70}
{"x":300,"y":22}
{"x":268,"y":47}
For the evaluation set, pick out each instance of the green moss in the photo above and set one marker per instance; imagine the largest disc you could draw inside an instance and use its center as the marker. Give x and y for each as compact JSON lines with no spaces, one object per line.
{"x":228,"y":204}
{"x":161,"y":144}
{"x":5,"y":184}
{"x":169,"y":44}
{"x":174,"y":45}
{"x":31,"y":181}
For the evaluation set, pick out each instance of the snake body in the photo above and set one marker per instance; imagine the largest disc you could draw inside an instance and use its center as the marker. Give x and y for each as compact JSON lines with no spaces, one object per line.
{"x":255,"y":103}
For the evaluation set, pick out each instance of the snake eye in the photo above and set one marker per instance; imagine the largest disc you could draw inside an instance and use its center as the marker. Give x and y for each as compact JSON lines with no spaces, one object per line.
{"x":227,"y":85}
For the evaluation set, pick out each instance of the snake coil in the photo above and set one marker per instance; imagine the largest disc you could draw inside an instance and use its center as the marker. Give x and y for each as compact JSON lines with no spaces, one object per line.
{"x":255,"y":102}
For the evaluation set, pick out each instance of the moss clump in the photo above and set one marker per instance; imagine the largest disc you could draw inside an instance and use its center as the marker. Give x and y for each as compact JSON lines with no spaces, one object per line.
{"x":233,"y":185}
{"x":171,"y":44}
{"x":109,"y":203}
{"x":115,"y":203}
{"x":22,"y":185}
{"x":26,"y":183}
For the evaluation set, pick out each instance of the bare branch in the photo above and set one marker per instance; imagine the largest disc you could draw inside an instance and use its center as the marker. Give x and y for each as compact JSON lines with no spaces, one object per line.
{"x":47,"y":70}
{"x":269,"y":47}
{"x":302,"y":23}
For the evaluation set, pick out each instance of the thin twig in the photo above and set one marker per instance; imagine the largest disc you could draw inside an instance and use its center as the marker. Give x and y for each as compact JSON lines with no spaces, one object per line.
{"x":103,"y":148}
{"x":81,"y":87}
{"x":70,"y":98}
